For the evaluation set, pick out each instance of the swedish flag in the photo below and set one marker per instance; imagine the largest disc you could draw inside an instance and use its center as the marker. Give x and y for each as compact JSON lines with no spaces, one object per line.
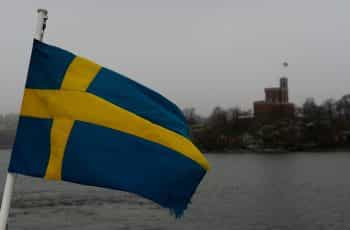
{"x":86,"y":124}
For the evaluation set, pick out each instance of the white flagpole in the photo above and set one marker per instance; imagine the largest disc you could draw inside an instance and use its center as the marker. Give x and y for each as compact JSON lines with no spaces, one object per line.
{"x":10,"y":179}
{"x":6,"y":199}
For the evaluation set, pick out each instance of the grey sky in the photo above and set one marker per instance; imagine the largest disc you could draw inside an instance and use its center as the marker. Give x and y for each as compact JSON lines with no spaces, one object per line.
{"x":197,"y":53}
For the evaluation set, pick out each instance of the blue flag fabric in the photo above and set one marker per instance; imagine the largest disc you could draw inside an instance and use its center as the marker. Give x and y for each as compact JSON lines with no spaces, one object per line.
{"x":83,"y":123}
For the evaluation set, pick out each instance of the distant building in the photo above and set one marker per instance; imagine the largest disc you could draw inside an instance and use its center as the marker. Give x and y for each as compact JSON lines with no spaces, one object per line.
{"x":276,"y":104}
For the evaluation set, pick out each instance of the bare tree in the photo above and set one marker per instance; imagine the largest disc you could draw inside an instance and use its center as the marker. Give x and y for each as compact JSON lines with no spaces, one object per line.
{"x":343,"y":107}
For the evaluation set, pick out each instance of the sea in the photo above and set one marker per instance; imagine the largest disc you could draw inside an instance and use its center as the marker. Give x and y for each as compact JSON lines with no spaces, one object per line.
{"x":243,"y":191}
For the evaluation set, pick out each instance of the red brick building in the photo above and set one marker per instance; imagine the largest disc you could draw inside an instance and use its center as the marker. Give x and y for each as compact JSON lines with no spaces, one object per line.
{"x":276,"y":104}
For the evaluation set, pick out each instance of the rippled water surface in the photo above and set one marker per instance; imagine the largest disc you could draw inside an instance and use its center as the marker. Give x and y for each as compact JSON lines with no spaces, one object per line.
{"x":243,"y":191}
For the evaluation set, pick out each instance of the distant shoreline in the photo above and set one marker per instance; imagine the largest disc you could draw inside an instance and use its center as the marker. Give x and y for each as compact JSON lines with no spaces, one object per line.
{"x":242,"y":151}
{"x":5,"y":148}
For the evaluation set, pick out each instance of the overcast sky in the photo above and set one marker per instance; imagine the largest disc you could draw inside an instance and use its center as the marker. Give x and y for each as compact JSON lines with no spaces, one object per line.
{"x":197,"y":53}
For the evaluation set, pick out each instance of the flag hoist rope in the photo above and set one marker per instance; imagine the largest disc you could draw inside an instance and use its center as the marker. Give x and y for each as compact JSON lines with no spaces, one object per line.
{"x":10,"y":179}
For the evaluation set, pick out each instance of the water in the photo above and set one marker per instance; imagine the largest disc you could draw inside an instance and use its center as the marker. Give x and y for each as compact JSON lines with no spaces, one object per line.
{"x":243,"y":191}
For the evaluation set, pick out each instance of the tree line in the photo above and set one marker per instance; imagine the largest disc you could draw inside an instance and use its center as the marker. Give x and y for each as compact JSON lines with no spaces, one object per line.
{"x":314,"y":126}
{"x":8,"y":124}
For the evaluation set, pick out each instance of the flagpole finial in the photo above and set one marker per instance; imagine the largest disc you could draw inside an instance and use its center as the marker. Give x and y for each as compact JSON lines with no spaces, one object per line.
{"x":41,"y":24}
{"x":41,"y":10}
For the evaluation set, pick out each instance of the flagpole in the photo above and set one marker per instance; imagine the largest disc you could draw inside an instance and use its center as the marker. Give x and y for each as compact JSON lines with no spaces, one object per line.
{"x":11,"y":177}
